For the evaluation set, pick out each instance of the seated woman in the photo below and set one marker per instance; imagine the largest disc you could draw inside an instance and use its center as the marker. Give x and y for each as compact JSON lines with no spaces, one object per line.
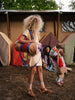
{"x":48,"y":60}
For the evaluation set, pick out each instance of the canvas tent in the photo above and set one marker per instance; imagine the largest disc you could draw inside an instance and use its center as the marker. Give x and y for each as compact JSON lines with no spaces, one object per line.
{"x":69,"y":48}
{"x":5,"y":49}
{"x":18,"y":58}
{"x":49,"y":40}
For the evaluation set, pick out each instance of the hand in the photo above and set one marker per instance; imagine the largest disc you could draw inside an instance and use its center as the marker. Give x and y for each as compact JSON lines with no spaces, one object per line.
{"x":33,"y":40}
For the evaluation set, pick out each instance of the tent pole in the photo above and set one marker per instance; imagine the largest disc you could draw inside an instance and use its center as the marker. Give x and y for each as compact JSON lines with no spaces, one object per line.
{"x":8,"y":25}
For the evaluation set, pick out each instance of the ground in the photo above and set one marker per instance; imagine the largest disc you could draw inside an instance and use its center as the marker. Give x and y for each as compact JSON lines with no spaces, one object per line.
{"x":13,"y":85}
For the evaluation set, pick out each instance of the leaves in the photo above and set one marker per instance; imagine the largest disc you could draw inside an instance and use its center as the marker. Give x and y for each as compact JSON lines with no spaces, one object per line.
{"x":28,"y":4}
{"x":72,"y":5}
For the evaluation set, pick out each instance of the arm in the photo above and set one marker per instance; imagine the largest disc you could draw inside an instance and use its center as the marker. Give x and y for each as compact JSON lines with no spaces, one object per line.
{"x":45,"y":58}
{"x":24,"y":39}
{"x":51,"y":61}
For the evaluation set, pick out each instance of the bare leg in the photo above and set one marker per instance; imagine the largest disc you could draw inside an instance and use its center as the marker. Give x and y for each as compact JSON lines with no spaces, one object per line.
{"x":31,"y":77}
{"x":30,"y":81}
{"x":43,"y":89}
{"x":41,"y":76}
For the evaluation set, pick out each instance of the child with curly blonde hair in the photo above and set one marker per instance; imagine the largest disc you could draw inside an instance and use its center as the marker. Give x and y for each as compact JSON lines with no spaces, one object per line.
{"x":33,"y":24}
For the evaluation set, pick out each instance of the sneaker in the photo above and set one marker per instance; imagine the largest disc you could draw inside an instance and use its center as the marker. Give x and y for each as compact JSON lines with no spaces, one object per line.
{"x":59,"y":83}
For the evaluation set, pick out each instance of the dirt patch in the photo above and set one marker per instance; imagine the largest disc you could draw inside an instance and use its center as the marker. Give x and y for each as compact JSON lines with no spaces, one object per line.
{"x":13,"y":85}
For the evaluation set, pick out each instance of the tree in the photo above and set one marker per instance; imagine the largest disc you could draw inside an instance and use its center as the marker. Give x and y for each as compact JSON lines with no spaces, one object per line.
{"x":72,"y":5}
{"x":9,"y":4}
{"x":60,"y":5}
{"x":29,"y":4}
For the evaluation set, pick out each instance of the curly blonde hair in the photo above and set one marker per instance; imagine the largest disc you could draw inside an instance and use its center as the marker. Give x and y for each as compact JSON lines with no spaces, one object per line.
{"x":34,"y":23}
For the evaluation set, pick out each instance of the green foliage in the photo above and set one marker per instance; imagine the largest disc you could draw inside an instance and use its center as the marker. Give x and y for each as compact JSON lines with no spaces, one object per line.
{"x":28,"y":4}
{"x":72,"y":5}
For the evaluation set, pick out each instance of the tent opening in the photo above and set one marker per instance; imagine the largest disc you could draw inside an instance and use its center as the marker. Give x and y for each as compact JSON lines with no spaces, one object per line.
{"x":74,"y":56}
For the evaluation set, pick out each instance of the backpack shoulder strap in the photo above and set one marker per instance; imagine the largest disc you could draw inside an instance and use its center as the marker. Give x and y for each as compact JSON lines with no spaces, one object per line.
{"x":31,"y":34}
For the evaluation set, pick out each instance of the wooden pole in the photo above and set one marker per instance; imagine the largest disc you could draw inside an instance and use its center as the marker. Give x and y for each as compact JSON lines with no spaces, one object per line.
{"x":58,"y":25}
{"x":54,"y":28}
{"x":8,"y":24}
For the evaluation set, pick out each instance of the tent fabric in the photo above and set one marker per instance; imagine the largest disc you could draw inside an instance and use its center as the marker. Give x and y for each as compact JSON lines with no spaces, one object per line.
{"x":49,"y":40}
{"x":69,"y":44}
{"x":16,"y":59}
{"x":44,"y":36}
{"x":5,"y":49}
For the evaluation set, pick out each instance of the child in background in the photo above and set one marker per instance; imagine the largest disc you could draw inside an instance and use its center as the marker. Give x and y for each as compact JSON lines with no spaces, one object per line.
{"x":48,"y":60}
{"x":64,"y":64}
{"x":33,"y":24}
{"x":59,"y":66}
{"x":61,"y":69}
